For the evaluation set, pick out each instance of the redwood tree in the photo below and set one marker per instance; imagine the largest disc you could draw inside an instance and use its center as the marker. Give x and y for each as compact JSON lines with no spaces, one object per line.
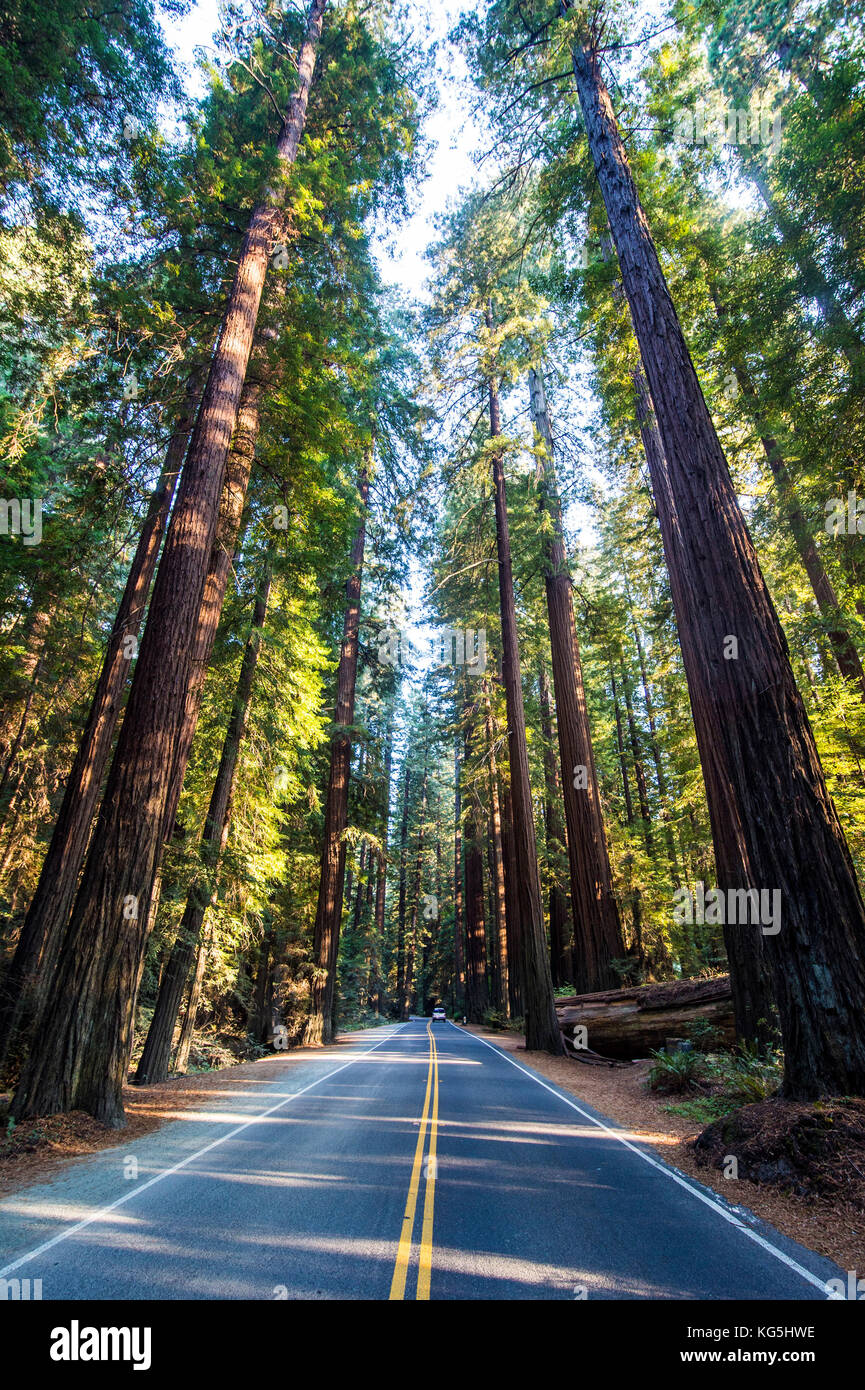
{"x":542,"y":1028}
{"x":476,"y":989}
{"x":319,"y":1025}
{"x":58,"y":879}
{"x":153,"y":1065}
{"x":597,"y":930}
{"x":86,"y":1024}
{"x":774,"y":825}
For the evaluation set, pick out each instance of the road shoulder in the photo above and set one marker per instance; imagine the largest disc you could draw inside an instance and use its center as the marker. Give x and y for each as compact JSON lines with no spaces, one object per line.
{"x":619,"y":1097}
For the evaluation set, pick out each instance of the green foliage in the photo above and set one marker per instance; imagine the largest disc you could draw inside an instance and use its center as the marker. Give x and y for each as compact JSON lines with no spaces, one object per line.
{"x":679,"y":1070}
{"x":495,"y":1019}
{"x":730,"y":1079}
{"x":703,"y":1035}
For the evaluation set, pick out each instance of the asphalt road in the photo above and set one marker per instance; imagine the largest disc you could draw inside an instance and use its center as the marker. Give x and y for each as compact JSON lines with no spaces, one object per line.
{"x":416,"y":1162}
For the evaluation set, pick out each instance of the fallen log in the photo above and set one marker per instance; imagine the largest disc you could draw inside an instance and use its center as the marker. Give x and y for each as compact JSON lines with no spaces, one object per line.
{"x":632,"y":1022}
{"x":589,"y":1058}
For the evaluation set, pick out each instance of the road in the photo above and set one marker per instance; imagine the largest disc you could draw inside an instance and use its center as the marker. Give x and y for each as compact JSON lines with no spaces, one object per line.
{"x":415,"y":1162}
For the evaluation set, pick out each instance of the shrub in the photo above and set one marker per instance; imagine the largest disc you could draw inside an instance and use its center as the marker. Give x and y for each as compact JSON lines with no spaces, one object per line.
{"x":495,"y":1019}
{"x":677,"y":1071}
{"x":704,"y":1036}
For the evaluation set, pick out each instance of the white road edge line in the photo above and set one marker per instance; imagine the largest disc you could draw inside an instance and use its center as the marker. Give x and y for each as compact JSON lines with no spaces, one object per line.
{"x":167,"y":1172}
{"x":661,"y":1167}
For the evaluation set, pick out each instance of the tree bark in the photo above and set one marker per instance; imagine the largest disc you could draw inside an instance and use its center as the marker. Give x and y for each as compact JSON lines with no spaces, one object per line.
{"x":561,"y":959}
{"x":632,"y":1022}
{"x":86,"y":1023}
{"x":459,"y":952}
{"x":477,"y":994}
{"x":155,"y":1057}
{"x":58,"y":879}
{"x":499,"y":925}
{"x":774,"y":825}
{"x":749,"y":980}
{"x":401,"y":907}
{"x":319,"y":1025}
{"x":597,"y":930}
{"x":542,"y":1030}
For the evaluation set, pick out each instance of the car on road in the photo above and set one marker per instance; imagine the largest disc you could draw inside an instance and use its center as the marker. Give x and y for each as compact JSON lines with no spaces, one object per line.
{"x":439,"y":1015}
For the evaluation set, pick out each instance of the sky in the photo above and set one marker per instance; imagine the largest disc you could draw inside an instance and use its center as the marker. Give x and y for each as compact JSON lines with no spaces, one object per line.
{"x":455,"y":136}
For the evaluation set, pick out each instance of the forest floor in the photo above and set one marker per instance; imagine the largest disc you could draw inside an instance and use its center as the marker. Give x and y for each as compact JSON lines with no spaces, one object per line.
{"x":833,"y":1226}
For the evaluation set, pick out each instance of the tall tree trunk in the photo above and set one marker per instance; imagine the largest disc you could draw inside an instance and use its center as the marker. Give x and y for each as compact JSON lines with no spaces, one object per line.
{"x":223,"y":552}
{"x":655,"y":747}
{"x":477,"y":994}
{"x":499,"y":923}
{"x":749,"y":978}
{"x":412,"y":939}
{"x":187,"y":1028}
{"x":637,"y":755}
{"x":774,"y":825}
{"x":634,"y":891}
{"x":597,"y":930}
{"x":55,"y":892}
{"x":86,"y":1022}
{"x":459,"y":952}
{"x":512,"y":906}
{"x":319,"y":1025}
{"x":542,"y":1027}
{"x":843,"y":649}
{"x":561,"y":959}
{"x":155,"y":1057}
{"x":403,"y":880}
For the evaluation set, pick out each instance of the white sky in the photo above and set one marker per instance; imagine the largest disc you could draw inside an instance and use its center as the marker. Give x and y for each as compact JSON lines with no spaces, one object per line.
{"x":400,"y":256}
{"x":451,"y":130}
{"x":456,"y":137}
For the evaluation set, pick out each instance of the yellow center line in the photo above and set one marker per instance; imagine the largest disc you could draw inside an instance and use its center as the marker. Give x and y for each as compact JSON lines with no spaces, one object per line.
{"x":426,"y":1240}
{"x":397,"y":1288}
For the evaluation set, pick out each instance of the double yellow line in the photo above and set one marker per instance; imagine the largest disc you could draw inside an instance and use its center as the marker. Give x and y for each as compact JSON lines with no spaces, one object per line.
{"x":403,"y":1254}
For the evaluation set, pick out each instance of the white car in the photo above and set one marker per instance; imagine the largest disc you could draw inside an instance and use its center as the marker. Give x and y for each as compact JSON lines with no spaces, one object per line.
{"x":439,"y":1015}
